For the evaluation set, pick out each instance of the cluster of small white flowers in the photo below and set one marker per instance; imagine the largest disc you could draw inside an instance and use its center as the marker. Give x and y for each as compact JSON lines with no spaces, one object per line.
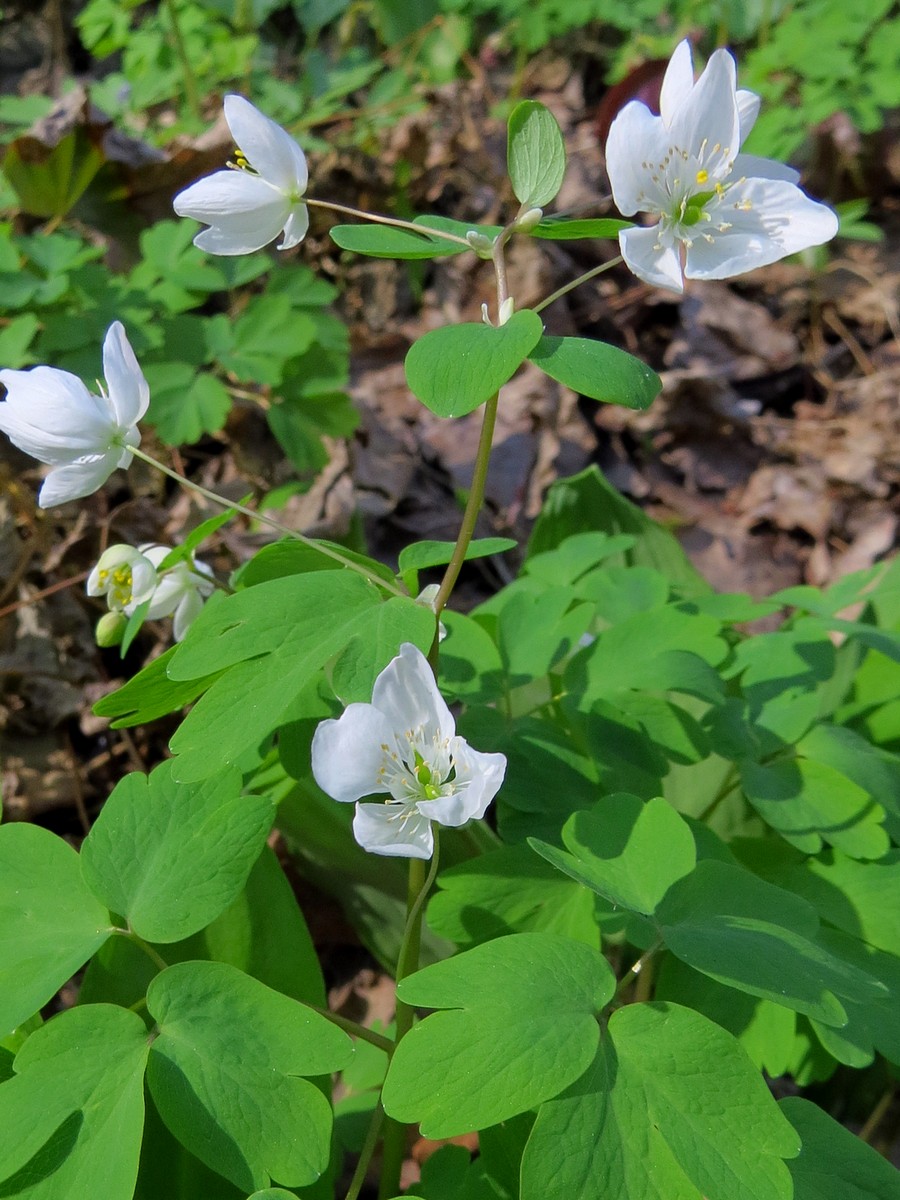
{"x":129,"y":578}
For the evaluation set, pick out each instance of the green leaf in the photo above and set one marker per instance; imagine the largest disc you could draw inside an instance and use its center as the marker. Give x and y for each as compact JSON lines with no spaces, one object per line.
{"x":186,"y":403}
{"x":15,"y":338}
{"x":150,"y":694}
{"x":628,"y":850}
{"x":382,"y":241}
{"x":224,"y":1073}
{"x":564,"y":229}
{"x":169,"y":856}
{"x":290,"y":557}
{"x":809,"y":802}
{"x":419,"y":555}
{"x":834,"y":1162}
{"x":50,"y":924}
{"x":509,"y":891}
{"x":454,"y":369}
{"x":758,"y":938}
{"x":641,"y":1121}
{"x":72,"y":1115}
{"x":49,"y":181}
{"x":597,"y":370}
{"x":587,"y":502}
{"x":535,"y":154}
{"x":496,"y":1053}
{"x":366,"y":655}
{"x":198,"y":534}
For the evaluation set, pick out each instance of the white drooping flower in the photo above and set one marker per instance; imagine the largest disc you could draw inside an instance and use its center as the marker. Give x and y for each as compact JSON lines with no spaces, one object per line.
{"x":52,"y":416}
{"x":719,"y":212}
{"x":124,"y":576}
{"x":404,"y":747}
{"x":249,"y":206}
{"x":180,"y":590}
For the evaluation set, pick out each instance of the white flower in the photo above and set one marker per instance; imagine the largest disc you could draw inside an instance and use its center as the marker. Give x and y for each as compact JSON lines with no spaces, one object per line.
{"x":404,"y":745}
{"x":180,"y":590}
{"x":720,"y":212}
{"x":124,"y":576}
{"x":52,"y":416}
{"x":247,"y":208}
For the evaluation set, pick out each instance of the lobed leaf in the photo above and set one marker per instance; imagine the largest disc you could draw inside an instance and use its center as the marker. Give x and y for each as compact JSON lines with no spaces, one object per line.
{"x":171,"y":856}
{"x":536,"y":154}
{"x":497,"y":1054}
{"x":50,"y":923}
{"x":597,"y":370}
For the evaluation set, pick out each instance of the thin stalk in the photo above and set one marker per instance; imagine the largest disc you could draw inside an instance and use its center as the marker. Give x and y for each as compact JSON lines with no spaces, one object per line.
{"x":355,"y":1029}
{"x":876,"y":1116}
{"x":588,"y":275}
{"x":407,"y":962}
{"x":365,"y":1155}
{"x":264,"y":520}
{"x":146,"y":947}
{"x":191,"y":91}
{"x":395,"y":221}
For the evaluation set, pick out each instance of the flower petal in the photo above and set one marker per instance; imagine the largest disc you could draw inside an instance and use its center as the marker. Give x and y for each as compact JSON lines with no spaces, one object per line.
{"x":348,"y":754}
{"x":187,"y":611}
{"x":394,"y":830}
{"x":751,"y":166}
{"x":268,"y":148}
{"x":677,"y":81}
{"x":478,"y":779}
{"x":769,"y":220}
{"x":52,"y":416}
{"x":243,"y":211}
{"x":76,"y":480}
{"x":129,"y":392}
{"x":295,"y":227}
{"x":407,"y":694}
{"x":748,"y":110}
{"x":650,"y":260}
{"x":635,"y":148}
{"x":706,"y":125}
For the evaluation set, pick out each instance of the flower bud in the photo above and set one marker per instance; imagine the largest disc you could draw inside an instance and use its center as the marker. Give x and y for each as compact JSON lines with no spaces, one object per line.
{"x":480,"y":243}
{"x":528,"y":220}
{"x":110,"y":629}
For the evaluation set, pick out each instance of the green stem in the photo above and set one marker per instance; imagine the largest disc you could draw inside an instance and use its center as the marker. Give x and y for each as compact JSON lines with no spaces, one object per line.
{"x":355,"y":1029}
{"x":365,"y":1155}
{"x":407,"y":962}
{"x":147,"y":948}
{"x":473,"y":505}
{"x":592,"y":274}
{"x":377,"y":219}
{"x":264,"y":520}
{"x":191,"y":91}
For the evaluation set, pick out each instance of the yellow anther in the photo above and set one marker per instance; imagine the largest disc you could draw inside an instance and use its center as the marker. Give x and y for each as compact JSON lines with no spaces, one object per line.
{"x":702,"y":176}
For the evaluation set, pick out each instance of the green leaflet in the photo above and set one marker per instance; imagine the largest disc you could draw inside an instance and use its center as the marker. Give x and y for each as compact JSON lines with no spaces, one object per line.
{"x":627,"y":850}
{"x":455,"y":369}
{"x":535,"y":155}
{"x":73,"y":1113}
{"x":169,"y":856}
{"x":496,"y":1053}
{"x":642,"y":1120}
{"x":597,"y":370}
{"x":833,"y":1162}
{"x":50,"y":923}
{"x":225,"y":1073}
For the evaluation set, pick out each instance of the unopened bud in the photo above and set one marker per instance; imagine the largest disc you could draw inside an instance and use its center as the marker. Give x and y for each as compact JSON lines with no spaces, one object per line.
{"x":480,"y":243}
{"x":110,"y":629}
{"x":528,"y":220}
{"x":507,"y":308}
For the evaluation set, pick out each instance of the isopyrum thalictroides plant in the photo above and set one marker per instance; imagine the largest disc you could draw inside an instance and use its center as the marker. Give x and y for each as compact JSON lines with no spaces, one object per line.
{"x":688,"y":877}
